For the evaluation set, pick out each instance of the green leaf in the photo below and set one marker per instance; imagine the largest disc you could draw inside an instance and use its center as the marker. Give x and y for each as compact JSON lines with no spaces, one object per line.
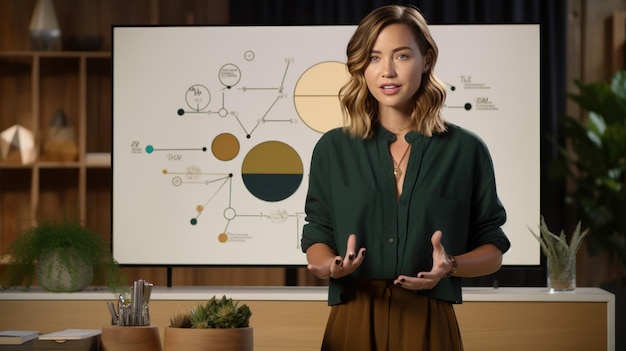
{"x":592,"y":160}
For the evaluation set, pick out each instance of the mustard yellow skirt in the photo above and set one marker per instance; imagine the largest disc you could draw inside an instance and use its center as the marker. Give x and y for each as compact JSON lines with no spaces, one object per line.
{"x":384,"y":317}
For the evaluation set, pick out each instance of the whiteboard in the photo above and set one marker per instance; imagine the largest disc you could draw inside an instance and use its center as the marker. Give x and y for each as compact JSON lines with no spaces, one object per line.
{"x":213,"y":128}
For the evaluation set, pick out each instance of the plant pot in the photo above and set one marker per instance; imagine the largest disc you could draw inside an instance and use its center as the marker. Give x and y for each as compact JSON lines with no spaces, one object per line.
{"x":190,"y":339}
{"x":60,"y":270}
{"x":562,"y":275}
{"x":142,"y":338}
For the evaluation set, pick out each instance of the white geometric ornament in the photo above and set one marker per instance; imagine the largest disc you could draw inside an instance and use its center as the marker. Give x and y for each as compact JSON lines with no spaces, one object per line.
{"x":18,"y":138}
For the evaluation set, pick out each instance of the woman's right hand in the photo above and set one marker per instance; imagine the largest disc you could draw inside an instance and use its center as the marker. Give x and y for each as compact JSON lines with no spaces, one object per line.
{"x":331,"y":266}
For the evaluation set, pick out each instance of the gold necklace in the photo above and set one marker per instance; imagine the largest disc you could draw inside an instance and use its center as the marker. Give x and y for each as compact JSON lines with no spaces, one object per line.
{"x":398,"y":130}
{"x":397,"y":172}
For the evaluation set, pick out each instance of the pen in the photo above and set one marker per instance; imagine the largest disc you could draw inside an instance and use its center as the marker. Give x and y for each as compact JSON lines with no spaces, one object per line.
{"x":112,"y":312}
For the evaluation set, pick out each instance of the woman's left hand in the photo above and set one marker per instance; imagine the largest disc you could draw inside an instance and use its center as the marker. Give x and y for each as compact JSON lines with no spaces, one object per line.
{"x":427,"y":280}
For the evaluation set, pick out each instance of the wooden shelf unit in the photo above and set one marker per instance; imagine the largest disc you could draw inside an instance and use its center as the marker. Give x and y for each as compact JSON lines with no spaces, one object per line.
{"x":33,"y":87}
{"x":293,"y":318}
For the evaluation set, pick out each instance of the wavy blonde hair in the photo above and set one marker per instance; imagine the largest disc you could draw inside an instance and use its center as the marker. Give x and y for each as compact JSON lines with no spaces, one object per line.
{"x":359,"y":107}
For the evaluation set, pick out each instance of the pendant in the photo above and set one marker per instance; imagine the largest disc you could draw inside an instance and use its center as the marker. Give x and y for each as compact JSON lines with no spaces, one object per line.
{"x":397,"y":172}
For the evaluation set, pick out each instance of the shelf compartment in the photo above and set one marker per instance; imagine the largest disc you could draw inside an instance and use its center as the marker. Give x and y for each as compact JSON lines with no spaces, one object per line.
{"x":16,"y":86}
{"x":58,"y":193}
{"x":59,"y":92}
{"x":98,"y":197}
{"x":98,"y":113}
{"x":15,"y":201}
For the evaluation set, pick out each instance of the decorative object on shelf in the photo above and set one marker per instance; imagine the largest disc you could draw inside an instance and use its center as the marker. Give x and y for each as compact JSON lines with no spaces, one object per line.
{"x":17,"y":145}
{"x":561,"y":256}
{"x":60,"y":144}
{"x":45,"y":33}
{"x":76,"y":247}
{"x":221,"y":325}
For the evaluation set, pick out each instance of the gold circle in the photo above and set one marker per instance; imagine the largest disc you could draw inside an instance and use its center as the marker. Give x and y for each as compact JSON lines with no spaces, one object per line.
{"x":223,"y":237}
{"x":225,"y":147}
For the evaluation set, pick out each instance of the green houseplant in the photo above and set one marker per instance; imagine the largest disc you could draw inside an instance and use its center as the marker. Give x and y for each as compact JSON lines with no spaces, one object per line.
{"x":561,"y":255}
{"x":595,"y":164}
{"x":64,"y":256}
{"x":219,"y":324}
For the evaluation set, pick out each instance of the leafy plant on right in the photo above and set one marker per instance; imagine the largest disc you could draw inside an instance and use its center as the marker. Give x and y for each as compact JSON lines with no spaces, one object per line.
{"x":595,"y":163}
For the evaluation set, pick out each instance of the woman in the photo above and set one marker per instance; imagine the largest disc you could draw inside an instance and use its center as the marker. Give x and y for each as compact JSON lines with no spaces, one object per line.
{"x":401,"y":204}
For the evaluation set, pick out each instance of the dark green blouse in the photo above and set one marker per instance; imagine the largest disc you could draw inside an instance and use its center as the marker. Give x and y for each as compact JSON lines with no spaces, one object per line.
{"x":449,"y":185}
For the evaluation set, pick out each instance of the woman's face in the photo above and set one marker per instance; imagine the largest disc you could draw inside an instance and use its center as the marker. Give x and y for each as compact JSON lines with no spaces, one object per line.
{"x":394,"y":72}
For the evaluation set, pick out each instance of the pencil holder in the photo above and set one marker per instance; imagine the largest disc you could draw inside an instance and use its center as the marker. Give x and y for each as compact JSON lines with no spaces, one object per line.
{"x":138,"y":338}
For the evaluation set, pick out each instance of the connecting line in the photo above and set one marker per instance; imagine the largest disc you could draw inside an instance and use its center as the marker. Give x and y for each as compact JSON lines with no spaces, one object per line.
{"x":241,"y":124}
{"x":198,"y":174}
{"x":214,"y":193}
{"x":181,"y":149}
{"x":226,"y":227}
{"x":230,"y":193}
{"x":280,"y":90}
{"x":247,"y":89}
{"x":222,"y":111}
{"x":297,"y":216}
{"x":282,"y":82}
{"x":265,"y":115}
{"x":298,"y":232}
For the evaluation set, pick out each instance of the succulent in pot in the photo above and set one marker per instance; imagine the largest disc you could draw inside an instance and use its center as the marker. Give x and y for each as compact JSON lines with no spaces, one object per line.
{"x":219,"y":324}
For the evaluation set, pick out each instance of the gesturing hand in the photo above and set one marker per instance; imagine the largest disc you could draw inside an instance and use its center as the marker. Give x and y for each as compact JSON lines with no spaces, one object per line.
{"x":338,"y":266}
{"x":427,"y":280}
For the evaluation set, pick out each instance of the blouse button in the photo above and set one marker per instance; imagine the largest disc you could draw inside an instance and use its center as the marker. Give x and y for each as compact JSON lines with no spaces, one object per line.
{"x":390,"y":240}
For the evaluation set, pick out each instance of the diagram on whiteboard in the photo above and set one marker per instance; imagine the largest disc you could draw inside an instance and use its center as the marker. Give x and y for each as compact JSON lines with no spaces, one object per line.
{"x":212,"y":142}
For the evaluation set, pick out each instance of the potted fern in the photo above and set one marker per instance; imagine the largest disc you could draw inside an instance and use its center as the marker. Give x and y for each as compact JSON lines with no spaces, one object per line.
{"x":218,"y":325}
{"x":63,"y":256}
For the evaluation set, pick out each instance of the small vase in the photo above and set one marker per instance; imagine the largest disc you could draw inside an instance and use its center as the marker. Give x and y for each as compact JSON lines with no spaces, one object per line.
{"x":562,"y":275}
{"x":45,"y":33}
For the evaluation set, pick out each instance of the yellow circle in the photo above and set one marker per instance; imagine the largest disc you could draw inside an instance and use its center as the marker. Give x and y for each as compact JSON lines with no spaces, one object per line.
{"x":316,"y":96}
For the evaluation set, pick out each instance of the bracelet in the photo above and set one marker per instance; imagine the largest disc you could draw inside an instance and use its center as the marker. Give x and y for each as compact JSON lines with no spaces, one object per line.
{"x":454,"y":266}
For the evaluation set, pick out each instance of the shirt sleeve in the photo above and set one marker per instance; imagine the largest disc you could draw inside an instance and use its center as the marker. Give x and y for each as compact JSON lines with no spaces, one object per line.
{"x":488,"y":214}
{"x":318,"y":204}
